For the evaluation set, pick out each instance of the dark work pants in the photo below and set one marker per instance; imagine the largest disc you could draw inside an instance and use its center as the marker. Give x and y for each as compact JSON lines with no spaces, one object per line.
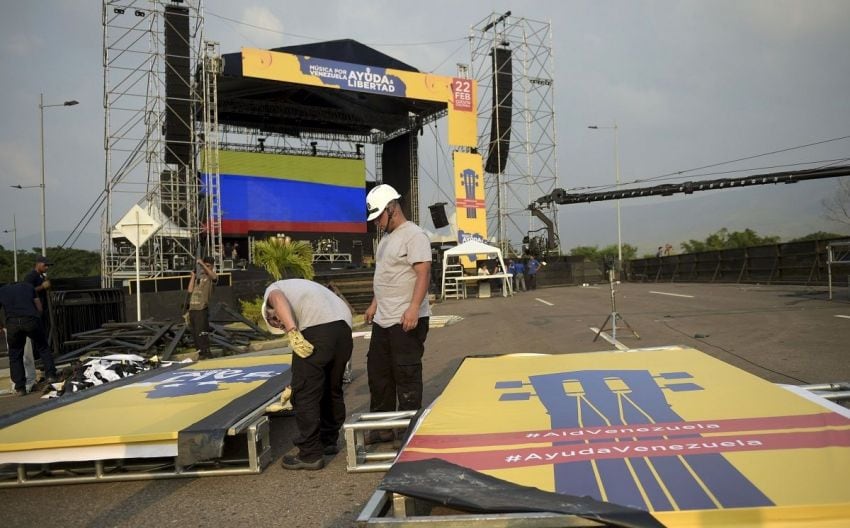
{"x":394,"y":366}
{"x":18,"y":329}
{"x":199,"y":322}
{"x":317,"y":396}
{"x":532,"y":281}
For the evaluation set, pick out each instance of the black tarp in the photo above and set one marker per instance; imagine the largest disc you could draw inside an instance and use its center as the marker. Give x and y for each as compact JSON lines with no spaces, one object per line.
{"x":465,"y":489}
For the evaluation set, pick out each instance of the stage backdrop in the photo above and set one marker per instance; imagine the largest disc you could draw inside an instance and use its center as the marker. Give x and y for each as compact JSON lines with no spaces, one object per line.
{"x":283,"y":193}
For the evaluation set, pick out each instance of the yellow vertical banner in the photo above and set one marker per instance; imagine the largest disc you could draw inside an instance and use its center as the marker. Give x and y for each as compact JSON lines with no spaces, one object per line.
{"x":463,"y":113}
{"x":471,"y":212}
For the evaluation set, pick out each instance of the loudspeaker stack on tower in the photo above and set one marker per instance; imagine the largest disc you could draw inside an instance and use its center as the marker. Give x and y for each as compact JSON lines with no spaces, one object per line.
{"x":500,"y":122}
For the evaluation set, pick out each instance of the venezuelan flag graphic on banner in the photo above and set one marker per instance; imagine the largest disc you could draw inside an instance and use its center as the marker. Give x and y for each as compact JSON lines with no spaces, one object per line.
{"x":675,"y":432}
{"x":460,"y":95}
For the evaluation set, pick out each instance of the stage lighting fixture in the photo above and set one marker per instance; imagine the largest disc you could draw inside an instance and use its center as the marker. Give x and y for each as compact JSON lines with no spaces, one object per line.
{"x":139,"y":13}
{"x":118,"y":11}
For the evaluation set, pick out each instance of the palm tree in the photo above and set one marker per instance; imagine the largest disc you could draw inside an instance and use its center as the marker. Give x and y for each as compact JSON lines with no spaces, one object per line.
{"x":285,"y":258}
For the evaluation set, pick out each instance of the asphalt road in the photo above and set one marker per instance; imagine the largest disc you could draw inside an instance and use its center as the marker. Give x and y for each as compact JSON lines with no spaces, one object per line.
{"x":784,"y":334}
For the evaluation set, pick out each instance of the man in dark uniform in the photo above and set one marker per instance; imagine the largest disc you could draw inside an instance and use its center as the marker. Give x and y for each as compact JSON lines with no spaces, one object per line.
{"x":37,"y":277}
{"x":23,"y":320}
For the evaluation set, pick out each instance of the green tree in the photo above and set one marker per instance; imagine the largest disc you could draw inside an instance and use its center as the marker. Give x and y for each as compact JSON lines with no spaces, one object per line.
{"x":818,"y":235}
{"x":837,"y":206}
{"x":588,"y":252}
{"x":611,"y":253}
{"x":724,"y":239}
{"x":285,"y":258}
{"x":594,"y":254}
{"x":67,"y":263}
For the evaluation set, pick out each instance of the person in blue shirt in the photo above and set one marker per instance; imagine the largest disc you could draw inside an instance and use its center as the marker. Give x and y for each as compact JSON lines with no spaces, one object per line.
{"x":519,"y":276}
{"x":533,"y":268}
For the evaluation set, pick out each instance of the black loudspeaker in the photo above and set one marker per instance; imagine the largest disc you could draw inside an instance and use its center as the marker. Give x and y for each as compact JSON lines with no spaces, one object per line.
{"x":500,"y":122}
{"x":178,"y":91}
{"x":397,"y":168}
{"x":438,"y":214}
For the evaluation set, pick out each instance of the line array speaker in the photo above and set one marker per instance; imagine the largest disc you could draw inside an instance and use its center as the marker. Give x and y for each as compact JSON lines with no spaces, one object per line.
{"x":178,"y":90}
{"x":500,"y":122}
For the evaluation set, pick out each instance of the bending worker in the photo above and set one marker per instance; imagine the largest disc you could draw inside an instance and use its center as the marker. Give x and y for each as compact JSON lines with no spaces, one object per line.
{"x":318,"y":324}
{"x":399,"y":312}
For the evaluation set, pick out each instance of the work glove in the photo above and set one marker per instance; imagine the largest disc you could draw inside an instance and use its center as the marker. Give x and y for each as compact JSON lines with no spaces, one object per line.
{"x":299,"y":344}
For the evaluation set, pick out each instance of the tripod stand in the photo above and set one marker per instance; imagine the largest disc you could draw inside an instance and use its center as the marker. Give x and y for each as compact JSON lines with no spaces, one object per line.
{"x":614,"y":315}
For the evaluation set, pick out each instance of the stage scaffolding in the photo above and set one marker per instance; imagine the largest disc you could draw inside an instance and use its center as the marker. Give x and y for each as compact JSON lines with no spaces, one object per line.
{"x":531,"y":169}
{"x":143,"y":165}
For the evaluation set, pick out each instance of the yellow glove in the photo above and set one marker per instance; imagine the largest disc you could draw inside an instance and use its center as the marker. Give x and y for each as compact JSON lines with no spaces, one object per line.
{"x":298,"y":344}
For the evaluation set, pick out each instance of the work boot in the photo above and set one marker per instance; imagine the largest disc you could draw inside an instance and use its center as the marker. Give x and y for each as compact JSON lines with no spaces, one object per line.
{"x":293,"y":462}
{"x":380,"y":436}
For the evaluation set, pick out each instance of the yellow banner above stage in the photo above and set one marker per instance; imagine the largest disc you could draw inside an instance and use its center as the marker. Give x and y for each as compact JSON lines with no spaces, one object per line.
{"x":471,"y":212}
{"x":459,"y":94}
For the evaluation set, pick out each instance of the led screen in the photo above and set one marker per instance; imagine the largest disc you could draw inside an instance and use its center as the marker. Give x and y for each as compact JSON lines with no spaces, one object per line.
{"x":285,"y":193}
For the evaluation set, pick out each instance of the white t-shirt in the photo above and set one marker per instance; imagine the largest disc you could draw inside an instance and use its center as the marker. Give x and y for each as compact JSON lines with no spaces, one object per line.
{"x":312,"y":304}
{"x":395,"y":278}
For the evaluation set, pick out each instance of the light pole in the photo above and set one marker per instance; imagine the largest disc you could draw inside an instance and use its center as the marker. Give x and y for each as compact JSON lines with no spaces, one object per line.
{"x":615,"y":128}
{"x":41,"y":107}
{"x":14,"y":232}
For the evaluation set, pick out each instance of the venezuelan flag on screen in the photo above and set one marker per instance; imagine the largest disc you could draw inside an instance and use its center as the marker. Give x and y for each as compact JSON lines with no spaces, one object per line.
{"x":285,"y":193}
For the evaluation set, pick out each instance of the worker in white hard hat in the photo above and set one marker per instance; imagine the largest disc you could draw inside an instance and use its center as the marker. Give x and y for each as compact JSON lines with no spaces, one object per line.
{"x":399,"y":311}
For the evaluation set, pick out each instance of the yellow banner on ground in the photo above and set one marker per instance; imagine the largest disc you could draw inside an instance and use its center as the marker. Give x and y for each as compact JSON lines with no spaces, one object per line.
{"x":154,"y":409}
{"x":471,"y":207}
{"x":459,"y":94}
{"x":676,"y":432}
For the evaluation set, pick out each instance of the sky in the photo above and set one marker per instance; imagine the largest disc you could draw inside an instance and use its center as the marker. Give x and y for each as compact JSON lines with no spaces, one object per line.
{"x":689,"y":84}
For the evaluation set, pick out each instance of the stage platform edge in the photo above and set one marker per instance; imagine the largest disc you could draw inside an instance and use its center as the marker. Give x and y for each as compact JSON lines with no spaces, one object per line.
{"x":249,"y":443}
{"x":230,"y":436}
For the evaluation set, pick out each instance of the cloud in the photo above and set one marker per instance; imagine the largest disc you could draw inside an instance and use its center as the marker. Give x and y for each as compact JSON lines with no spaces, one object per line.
{"x":22,"y":44}
{"x":791,"y":19}
{"x":266,"y":29}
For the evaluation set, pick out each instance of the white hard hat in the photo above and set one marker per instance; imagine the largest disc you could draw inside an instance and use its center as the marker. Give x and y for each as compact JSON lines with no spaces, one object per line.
{"x":378,"y":198}
{"x":272,"y":329}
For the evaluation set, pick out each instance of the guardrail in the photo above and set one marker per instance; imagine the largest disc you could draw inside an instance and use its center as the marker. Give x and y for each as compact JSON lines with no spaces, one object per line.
{"x":788,"y":263}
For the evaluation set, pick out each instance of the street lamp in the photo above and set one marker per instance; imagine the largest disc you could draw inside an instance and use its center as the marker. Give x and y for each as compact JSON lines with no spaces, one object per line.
{"x":14,"y":232}
{"x":41,"y":107}
{"x":615,"y":128}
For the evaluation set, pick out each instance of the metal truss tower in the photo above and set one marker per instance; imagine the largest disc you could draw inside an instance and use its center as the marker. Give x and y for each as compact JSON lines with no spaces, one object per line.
{"x":151,"y":99}
{"x":530,"y":169}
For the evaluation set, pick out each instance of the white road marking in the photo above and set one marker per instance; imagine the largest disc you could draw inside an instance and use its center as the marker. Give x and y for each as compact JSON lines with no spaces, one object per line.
{"x":672,"y":294}
{"x":606,"y":337}
{"x":843,"y":316}
{"x":544,"y":302}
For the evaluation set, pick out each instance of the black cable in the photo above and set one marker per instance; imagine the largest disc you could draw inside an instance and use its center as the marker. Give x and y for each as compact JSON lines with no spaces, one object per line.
{"x":702,"y":340}
{"x":681,"y":173}
{"x":317,"y":39}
